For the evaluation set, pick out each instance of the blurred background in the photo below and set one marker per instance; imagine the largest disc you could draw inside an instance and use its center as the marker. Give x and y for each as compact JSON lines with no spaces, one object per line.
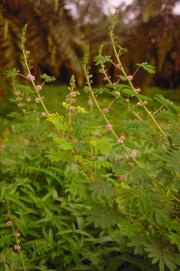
{"x":58,"y":31}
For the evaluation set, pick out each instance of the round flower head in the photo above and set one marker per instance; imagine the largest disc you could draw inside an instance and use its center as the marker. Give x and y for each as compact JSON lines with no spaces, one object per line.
{"x":118,"y":66}
{"x":16,"y":247}
{"x":105,"y":110}
{"x":38,"y":87}
{"x":121,"y":139}
{"x":130,"y":77}
{"x":109,"y":126}
{"x":133,"y":153}
{"x":72,"y":108}
{"x":70,"y":100}
{"x":16,"y":234}
{"x":18,"y":98}
{"x":9,"y":223}
{"x":44,"y":114}
{"x":139,"y":104}
{"x":137,"y":90}
{"x":38,"y":100}
{"x":28,"y":99}
{"x":122,"y":178}
{"x":17,"y":93}
{"x":30,"y":77}
{"x":73,"y":94}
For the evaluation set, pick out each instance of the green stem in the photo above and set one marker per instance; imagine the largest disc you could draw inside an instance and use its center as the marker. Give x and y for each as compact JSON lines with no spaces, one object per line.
{"x":132,"y":86}
{"x":14,"y":234}
{"x":106,"y":119}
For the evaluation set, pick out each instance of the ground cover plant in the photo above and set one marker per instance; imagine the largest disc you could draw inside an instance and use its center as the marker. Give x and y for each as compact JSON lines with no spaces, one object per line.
{"x":80,"y":192}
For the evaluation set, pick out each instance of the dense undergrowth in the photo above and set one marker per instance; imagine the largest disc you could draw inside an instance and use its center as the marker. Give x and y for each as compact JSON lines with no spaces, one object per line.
{"x":83,"y":190}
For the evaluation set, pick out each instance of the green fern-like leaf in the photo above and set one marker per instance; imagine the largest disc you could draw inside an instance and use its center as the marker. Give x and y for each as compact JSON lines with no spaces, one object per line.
{"x":47,"y":78}
{"x":12,"y":73}
{"x":102,"y":189}
{"x":103,"y":216}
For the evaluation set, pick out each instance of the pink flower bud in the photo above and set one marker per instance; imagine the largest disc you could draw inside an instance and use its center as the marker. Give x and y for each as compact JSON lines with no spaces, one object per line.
{"x":118,"y":66}
{"x":133,"y":153}
{"x":126,"y":156}
{"x":122,"y":178}
{"x":130,"y":77}
{"x":139,"y":104}
{"x":121,"y":139}
{"x":18,"y":99}
{"x":16,"y":247}
{"x":105,"y":110}
{"x":109,"y":126}
{"x":17,"y":93}
{"x":72,"y":108}
{"x":137,"y":90}
{"x":44,"y":114}
{"x":9,"y":223}
{"x":73,"y":94}
{"x":38,"y":87}
{"x":20,"y":105}
{"x":70,"y":100}
{"x":28,"y":99}
{"x":37,"y":100}
{"x":30,"y":77}
{"x":16,"y":234}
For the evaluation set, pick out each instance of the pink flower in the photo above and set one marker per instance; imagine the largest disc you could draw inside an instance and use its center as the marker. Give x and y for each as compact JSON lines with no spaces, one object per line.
{"x":105,"y":110}
{"x":9,"y":223}
{"x":121,"y":139}
{"x":73,"y":94}
{"x":16,"y":247}
{"x":38,"y":87}
{"x":130,"y":77}
{"x":30,"y":77}
{"x":109,"y":126}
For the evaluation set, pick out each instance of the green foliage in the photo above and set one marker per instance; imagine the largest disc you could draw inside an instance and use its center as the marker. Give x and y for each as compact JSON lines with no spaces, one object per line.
{"x":47,"y":78}
{"x":12,"y":73}
{"x":147,"y":67}
{"x":89,"y":191}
